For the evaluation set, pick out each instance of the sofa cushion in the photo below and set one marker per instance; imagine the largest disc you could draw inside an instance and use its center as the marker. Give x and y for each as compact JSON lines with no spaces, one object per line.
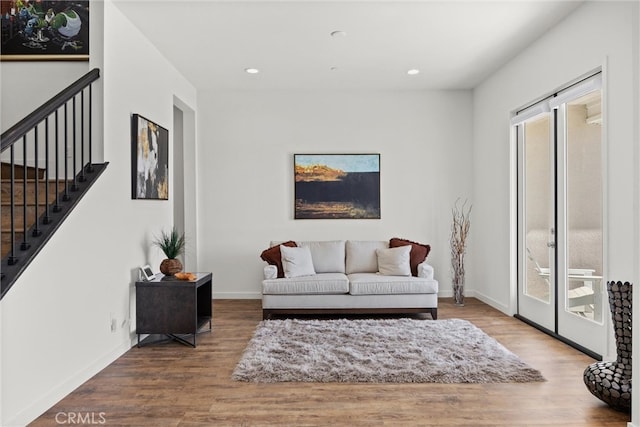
{"x":361,"y":255}
{"x":272,"y":256}
{"x":296,"y":262}
{"x":377,"y":284}
{"x":419,"y":252}
{"x":394,"y":261}
{"x":323,"y":283}
{"x":328,"y":256}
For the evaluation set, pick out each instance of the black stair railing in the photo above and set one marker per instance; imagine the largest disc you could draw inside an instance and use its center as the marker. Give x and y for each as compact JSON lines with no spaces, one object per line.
{"x":27,"y":228}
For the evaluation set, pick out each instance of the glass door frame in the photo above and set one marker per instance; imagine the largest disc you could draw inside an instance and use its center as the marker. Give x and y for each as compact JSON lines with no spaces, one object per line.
{"x":561,"y":321}
{"x":570,"y":323}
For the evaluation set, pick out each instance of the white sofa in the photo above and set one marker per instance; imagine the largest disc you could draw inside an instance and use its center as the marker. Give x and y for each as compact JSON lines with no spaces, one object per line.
{"x":347,"y":277}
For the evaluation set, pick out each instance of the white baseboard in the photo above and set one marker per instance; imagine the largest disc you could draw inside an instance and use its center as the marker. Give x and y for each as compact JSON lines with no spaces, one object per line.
{"x":53,"y":396}
{"x":237,"y":295}
{"x":475,"y":294}
{"x":493,"y":303}
{"x":447,"y":294}
{"x":630,"y":424}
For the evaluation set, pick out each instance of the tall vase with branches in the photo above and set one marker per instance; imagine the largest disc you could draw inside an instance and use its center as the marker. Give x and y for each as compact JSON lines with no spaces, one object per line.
{"x":459,"y":233}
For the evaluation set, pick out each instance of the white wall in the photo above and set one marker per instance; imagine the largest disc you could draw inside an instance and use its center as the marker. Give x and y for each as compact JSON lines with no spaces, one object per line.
{"x":598,"y":34}
{"x":557,"y":58}
{"x":56,"y":318}
{"x":27,"y":85}
{"x":246,"y":179}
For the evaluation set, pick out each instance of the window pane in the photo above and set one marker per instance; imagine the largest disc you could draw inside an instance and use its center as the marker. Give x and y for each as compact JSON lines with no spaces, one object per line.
{"x":584,"y":207}
{"x":537,"y":206}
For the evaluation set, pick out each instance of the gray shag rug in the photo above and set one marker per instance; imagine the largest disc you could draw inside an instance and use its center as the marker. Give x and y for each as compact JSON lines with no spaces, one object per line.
{"x":378,"y":351}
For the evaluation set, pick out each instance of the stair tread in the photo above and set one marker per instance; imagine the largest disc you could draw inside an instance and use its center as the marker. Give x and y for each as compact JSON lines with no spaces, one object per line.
{"x":29,"y":181}
{"x":6,"y":204}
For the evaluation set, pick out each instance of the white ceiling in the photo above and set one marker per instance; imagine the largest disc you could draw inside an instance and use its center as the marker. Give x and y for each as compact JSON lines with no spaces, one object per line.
{"x":454,"y":44}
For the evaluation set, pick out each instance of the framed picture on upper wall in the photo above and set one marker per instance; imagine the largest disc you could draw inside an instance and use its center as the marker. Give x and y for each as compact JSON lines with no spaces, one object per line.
{"x":337,"y":186}
{"x":41,"y":30}
{"x":149,"y":159}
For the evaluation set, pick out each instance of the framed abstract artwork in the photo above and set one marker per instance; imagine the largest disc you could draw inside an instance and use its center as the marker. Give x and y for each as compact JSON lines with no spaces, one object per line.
{"x":149,"y":159}
{"x":337,"y":186}
{"x":44,"y":30}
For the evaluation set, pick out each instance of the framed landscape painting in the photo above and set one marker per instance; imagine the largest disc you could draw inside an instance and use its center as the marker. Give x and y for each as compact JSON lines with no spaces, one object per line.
{"x":149,"y":159}
{"x":337,"y":186}
{"x":44,"y":30}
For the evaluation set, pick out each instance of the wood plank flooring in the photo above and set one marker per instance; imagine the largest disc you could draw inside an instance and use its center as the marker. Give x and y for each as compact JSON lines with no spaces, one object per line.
{"x":173,"y":385}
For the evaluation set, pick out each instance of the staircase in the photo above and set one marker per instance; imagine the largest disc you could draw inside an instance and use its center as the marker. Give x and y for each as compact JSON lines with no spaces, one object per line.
{"x":22,"y":202}
{"x":37,"y":198}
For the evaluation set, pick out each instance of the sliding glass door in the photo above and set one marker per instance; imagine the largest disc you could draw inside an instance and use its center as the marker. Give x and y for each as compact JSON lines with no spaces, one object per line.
{"x":560,"y":211}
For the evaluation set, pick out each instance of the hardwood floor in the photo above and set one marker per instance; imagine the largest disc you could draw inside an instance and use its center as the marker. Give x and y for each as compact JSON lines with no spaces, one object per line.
{"x":173,"y":385}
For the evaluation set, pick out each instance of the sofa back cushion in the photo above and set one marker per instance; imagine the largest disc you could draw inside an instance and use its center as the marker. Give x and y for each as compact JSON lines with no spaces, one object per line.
{"x":361,"y":255}
{"x":328,"y":256}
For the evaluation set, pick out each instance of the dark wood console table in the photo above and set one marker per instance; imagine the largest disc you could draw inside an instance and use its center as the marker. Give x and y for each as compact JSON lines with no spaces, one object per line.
{"x":173,"y":307}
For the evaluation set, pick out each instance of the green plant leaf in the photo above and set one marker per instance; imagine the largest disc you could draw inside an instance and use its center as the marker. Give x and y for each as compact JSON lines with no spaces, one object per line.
{"x":171,"y":243}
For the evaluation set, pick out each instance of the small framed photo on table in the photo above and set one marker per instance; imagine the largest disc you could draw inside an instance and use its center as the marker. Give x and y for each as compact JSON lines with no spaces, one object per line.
{"x":146,"y":273}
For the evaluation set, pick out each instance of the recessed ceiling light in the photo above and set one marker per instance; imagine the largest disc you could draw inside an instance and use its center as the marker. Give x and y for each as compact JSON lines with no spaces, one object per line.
{"x":252,"y":70}
{"x":338,"y":33}
{"x":413,"y":71}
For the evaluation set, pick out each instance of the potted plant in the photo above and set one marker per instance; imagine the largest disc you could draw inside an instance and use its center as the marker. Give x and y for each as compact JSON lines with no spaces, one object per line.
{"x":172,"y":245}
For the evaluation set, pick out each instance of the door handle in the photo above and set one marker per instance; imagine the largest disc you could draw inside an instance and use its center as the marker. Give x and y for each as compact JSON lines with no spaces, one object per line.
{"x":551,"y":244}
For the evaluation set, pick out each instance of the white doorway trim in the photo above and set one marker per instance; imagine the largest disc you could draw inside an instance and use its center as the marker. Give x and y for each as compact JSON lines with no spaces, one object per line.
{"x":185,"y":180}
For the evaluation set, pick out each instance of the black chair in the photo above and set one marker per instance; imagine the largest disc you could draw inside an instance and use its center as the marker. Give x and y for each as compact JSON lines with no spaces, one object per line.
{"x":611,"y":381}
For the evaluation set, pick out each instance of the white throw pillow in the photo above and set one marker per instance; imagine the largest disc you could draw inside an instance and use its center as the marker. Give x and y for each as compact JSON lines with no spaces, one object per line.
{"x":296,"y":262}
{"x":394,"y":261}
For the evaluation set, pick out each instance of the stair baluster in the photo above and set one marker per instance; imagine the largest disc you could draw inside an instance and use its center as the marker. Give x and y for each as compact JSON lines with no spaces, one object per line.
{"x":36,"y":229}
{"x":12,"y":259}
{"x":89,"y":166}
{"x":56,"y":204}
{"x":46,"y":219}
{"x":66,"y":196}
{"x":74,"y":187}
{"x":82,"y":178}
{"x":25,"y":244}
